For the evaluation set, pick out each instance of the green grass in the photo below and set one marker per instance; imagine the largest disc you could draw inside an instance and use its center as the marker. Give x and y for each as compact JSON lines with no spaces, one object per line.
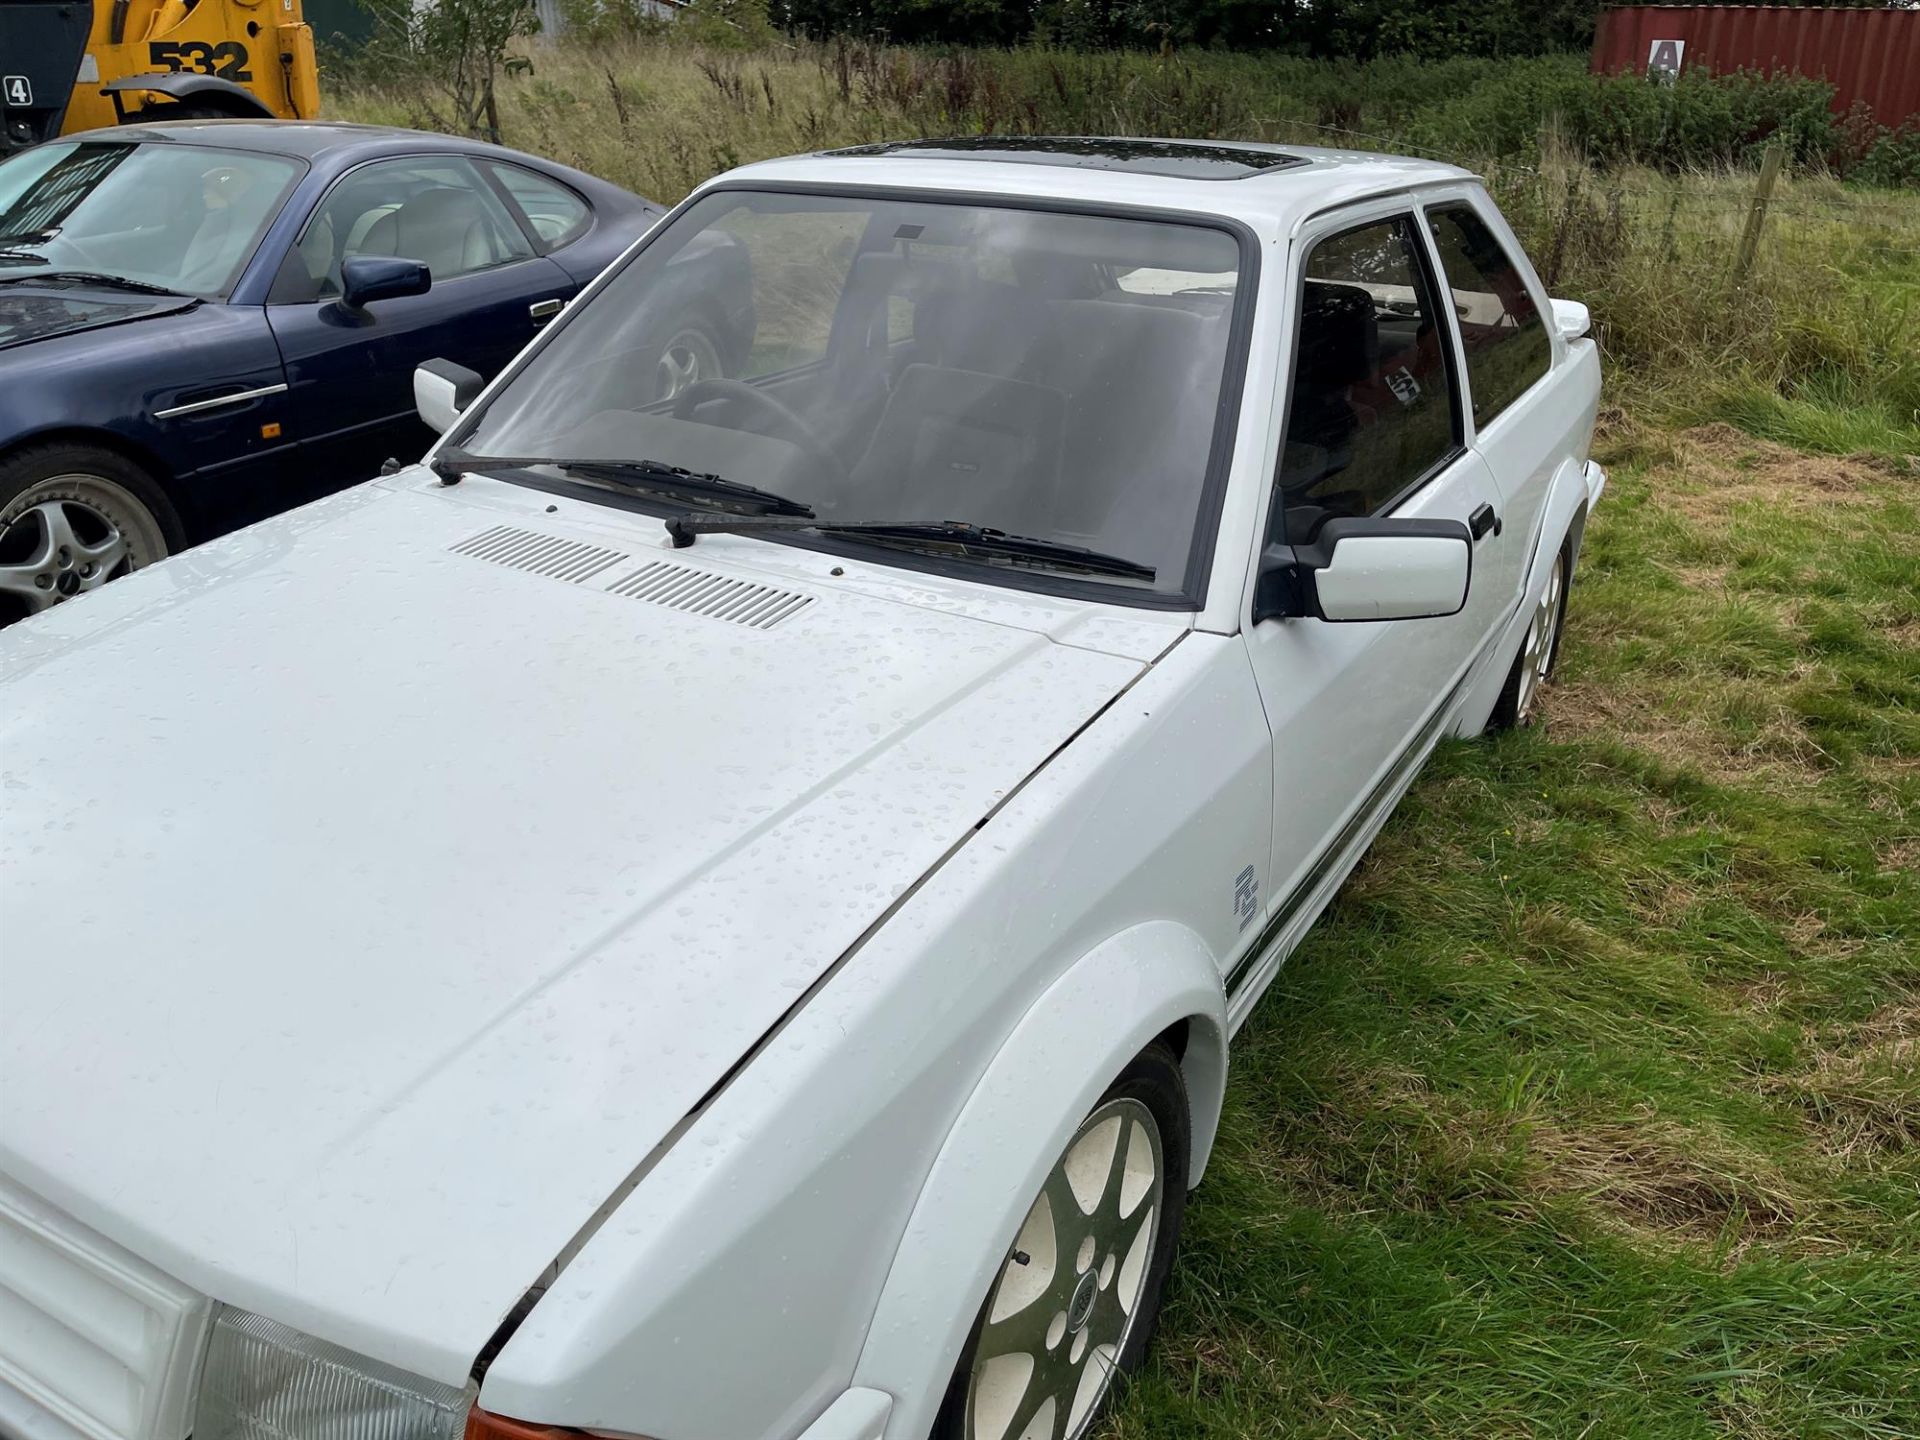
{"x":1819,"y":418}
{"x":1592,"y":1107}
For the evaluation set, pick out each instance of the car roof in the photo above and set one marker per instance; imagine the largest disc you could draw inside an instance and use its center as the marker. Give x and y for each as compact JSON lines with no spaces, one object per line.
{"x":1270,"y":187}
{"x":304,"y":139}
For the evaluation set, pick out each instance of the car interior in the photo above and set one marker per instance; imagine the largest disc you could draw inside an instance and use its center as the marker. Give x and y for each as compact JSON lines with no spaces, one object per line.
{"x":1069,"y":391}
{"x":184,"y":217}
{"x":434,"y":212}
{"x":1371,"y":405}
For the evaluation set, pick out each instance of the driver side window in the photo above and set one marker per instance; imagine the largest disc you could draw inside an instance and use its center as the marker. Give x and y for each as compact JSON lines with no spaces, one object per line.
{"x":436,"y":210}
{"x":1373,"y":410}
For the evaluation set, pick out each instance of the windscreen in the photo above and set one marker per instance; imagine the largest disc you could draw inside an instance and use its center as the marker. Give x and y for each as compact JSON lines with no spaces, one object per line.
{"x":1046,"y":374}
{"x":184,"y":217}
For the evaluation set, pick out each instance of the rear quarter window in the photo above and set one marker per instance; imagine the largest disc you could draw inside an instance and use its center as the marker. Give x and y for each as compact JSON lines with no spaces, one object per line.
{"x":558,"y":216}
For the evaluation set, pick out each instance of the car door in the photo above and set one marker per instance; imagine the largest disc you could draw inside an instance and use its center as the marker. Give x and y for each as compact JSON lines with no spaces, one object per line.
{"x":350,"y":369}
{"x":1374,"y":427}
{"x":1518,"y":421}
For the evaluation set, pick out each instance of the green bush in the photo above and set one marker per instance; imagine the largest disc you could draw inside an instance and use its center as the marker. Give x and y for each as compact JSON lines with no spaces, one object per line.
{"x":1894,"y":158}
{"x":1699,"y":122}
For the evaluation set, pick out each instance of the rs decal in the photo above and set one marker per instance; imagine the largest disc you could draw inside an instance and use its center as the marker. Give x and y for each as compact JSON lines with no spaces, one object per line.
{"x":228,"y":59}
{"x":1246,"y":895}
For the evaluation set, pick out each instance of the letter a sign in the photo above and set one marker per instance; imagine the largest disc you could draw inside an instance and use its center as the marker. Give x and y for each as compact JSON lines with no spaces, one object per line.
{"x":1663,"y":58}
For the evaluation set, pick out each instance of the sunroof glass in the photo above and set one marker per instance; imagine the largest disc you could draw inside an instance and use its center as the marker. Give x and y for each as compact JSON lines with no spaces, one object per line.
{"x":1140,"y":157}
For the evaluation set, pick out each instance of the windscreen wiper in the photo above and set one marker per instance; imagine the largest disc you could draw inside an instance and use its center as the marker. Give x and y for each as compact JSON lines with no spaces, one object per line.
{"x":936,"y":536}
{"x":82,"y":277}
{"x":651,"y":476}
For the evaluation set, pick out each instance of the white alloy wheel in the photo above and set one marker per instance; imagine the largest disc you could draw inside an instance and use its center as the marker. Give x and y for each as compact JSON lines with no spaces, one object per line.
{"x":1060,"y":1314}
{"x":1543,"y":630}
{"x":68,"y":534}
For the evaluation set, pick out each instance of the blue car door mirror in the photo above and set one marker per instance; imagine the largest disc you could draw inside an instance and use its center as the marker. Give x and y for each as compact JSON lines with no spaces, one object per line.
{"x":366,"y":278}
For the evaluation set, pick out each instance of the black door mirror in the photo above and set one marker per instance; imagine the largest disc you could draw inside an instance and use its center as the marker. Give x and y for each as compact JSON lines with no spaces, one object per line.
{"x":1366,"y":569}
{"x":366,"y":278}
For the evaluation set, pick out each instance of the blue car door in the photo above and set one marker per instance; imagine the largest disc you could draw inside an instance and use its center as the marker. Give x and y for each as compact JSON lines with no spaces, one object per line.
{"x":349,"y":370}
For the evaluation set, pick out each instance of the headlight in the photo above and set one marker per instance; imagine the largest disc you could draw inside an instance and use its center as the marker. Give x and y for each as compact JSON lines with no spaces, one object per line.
{"x":265,"y":1381}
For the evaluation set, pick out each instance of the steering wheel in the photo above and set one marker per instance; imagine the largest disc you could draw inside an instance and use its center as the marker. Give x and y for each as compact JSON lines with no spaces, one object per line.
{"x":778,"y":420}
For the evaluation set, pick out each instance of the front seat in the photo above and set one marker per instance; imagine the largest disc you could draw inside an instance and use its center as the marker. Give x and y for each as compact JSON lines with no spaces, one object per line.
{"x":445,"y":229}
{"x":959,"y":445}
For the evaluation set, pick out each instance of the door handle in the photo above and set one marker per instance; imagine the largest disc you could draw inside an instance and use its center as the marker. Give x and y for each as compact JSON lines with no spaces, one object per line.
{"x":1481,"y":521}
{"x":543,"y":310}
{"x":237,"y":397}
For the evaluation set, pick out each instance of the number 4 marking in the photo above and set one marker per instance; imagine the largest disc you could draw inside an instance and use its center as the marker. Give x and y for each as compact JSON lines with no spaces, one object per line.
{"x":19,"y":92}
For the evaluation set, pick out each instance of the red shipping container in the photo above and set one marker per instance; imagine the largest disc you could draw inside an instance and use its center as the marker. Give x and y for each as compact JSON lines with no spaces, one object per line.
{"x":1870,"y":55}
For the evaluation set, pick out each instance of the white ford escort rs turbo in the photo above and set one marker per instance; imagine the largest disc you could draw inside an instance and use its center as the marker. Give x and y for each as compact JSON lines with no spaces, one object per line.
{"x":715,"y":906}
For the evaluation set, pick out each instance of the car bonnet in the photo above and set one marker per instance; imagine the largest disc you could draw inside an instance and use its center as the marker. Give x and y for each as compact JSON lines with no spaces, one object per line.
{"x":35,"y":312}
{"x":383,"y":883}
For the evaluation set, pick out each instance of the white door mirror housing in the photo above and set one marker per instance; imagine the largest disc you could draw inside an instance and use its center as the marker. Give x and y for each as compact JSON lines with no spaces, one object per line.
{"x":1365,"y":569}
{"x":442,"y":389}
{"x":1571,"y":319}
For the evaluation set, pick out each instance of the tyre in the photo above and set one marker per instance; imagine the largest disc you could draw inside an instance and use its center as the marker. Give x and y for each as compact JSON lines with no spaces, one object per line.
{"x":1074,"y":1305}
{"x":73,"y":517}
{"x":1538,"y":649}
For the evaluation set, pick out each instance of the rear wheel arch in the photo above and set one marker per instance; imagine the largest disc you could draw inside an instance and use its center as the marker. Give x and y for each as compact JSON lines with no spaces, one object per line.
{"x":1562,"y":525}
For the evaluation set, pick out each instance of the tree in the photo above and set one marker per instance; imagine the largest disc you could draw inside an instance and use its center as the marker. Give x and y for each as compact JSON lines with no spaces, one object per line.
{"x":457,"y":48}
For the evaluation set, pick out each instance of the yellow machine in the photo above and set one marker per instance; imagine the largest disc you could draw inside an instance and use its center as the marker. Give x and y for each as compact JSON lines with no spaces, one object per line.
{"x":68,"y":65}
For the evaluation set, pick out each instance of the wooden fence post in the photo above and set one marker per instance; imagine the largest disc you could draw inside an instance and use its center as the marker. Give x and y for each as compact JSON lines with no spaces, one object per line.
{"x":1770,"y":167}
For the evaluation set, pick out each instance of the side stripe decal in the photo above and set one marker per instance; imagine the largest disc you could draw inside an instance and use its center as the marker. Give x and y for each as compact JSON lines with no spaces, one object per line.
{"x":1335,"y":852}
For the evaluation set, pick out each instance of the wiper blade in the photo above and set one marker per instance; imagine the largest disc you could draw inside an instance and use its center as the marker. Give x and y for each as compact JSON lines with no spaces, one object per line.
{"x":12,"y":255}
{"x":925,"y":534}
{"x":652,"y":476}
{"x":83,"y":277}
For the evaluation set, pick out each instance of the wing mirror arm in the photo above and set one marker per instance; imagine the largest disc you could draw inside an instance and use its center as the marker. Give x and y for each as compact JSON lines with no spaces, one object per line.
{"x":1278,"y":594}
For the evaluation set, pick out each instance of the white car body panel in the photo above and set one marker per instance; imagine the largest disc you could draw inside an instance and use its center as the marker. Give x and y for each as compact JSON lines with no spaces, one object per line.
{"x":528,"y":866}
{"x":715,"y":996}
{"x":858,"y":1414}
{"x":702,"y":1259}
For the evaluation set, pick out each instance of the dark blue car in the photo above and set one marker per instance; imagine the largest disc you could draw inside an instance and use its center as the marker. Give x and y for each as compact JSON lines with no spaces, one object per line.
{"x":205,"y":322}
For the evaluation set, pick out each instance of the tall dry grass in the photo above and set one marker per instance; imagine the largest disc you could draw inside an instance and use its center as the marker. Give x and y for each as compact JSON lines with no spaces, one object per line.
{"x":1817,"y":344}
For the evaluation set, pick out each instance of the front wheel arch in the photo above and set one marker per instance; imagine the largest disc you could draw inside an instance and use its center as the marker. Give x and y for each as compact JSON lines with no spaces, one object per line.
{"x":74,"y":517}
{"x":1083,"y":1031}
{"x":158,"y":473}
{"x":1153,"y":1085}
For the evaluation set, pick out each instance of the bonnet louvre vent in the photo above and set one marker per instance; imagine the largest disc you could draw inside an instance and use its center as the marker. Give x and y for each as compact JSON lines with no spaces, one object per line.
{"x":696,"y":592}
{"x":537,"y":554}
